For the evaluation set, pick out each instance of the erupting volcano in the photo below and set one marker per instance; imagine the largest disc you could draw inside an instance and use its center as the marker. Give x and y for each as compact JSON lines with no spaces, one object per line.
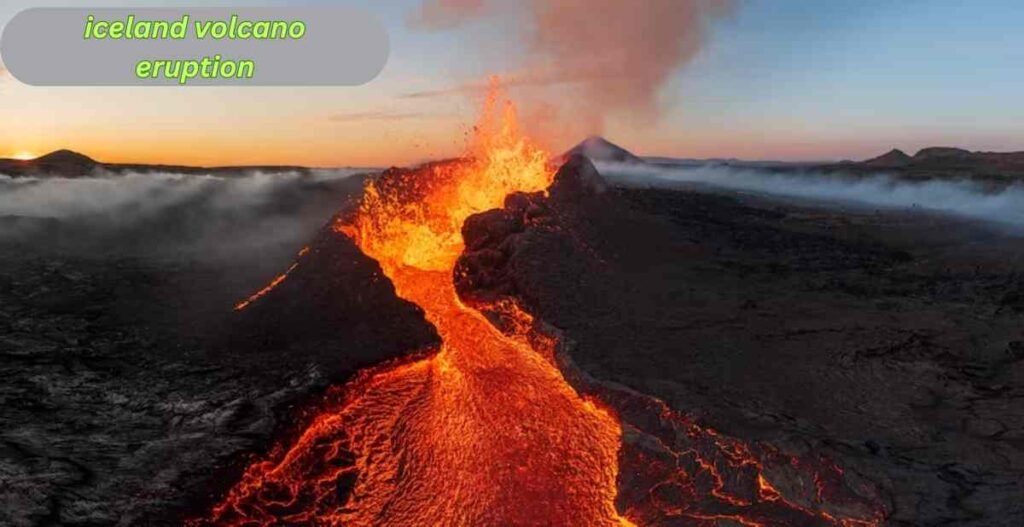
{"x":485,"y":430}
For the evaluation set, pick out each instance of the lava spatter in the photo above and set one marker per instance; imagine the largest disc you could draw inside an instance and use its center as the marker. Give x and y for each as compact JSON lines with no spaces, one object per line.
{"x":484,"y":432}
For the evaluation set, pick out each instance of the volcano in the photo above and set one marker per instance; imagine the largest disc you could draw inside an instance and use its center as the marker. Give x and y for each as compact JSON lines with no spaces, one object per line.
{"x":599,"y":149}
{"x":507,"y":339}
{"x":68,"y":163}
{"x":493,"y":426}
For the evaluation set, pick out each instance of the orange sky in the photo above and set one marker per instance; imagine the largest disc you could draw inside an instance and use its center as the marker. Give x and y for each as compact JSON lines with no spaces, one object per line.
{"x":773,"y":80}
{"x":215,"y":126}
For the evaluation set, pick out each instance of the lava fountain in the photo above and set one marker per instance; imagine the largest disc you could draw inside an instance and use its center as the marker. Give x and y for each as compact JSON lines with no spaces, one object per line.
{"x":486,"y":431}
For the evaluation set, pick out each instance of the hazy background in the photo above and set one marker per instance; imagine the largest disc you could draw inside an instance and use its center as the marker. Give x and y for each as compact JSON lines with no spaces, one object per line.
{"x":1000,"y":204}
{"x":180,"y":216}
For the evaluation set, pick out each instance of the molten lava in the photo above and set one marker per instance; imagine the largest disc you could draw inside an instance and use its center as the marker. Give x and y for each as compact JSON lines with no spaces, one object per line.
{"x":273,"y":283}
{"x":486,"y":432}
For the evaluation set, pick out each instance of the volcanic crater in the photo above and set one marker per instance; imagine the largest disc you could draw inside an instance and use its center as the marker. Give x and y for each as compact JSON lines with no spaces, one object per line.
{"x":498,"y":426}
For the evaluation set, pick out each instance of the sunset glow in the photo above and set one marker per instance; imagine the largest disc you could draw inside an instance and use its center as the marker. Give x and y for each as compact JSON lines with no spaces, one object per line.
{"x":747,"y":93}
{"x":512,"y":263}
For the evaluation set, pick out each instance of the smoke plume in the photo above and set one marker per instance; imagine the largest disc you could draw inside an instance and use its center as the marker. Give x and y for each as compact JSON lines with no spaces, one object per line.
{"x":597,"y":57}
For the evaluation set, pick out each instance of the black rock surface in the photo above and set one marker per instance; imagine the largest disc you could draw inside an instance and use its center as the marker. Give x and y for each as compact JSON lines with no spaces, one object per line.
{"x":891,"y":343}
{"x":132,"y":394}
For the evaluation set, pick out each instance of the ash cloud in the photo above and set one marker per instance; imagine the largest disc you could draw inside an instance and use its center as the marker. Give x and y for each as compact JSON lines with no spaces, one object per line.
{"x":171,"y":214}
{"x":1001,"y":204}
{"x":598,"y":56}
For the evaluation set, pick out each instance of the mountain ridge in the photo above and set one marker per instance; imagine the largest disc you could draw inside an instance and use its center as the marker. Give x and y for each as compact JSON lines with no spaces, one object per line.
{"x":936,"y":160}
{"x":69,"y":163}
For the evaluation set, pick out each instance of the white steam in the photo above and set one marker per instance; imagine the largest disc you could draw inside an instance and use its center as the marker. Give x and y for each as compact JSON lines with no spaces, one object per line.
{"x":140,"y":194}
{"x":962,"y":197}
{"x":171,"y":213}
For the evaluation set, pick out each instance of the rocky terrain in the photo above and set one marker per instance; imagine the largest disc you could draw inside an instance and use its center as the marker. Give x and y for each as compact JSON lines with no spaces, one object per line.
{"x":133,"y":394}
{"x":994,"y":169}
{"x":890,"y":342}
{"x":887,"y":343}
{"x":997,"y":169}
{"x":67,"y":163}
{"x":940,"y":161}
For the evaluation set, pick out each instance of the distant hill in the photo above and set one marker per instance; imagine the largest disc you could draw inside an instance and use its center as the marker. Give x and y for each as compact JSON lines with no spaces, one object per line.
{"x":948,"y":161}
{"x":937,"y":162}
{"x":600,"y":149}
{"x":942,"y":153}
{"x":67,"y":163}
{"x":63,"y":162}
{"x":892,"y":158}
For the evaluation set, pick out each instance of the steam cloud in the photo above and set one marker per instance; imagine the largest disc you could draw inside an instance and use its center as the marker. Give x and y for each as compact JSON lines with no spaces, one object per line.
{"x":171,"y":213}
{"x":972,"y":199}
{"x":604,"y":55}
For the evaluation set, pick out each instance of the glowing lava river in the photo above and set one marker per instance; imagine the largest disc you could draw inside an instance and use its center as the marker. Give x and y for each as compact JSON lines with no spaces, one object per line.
{"x":484,"y":432}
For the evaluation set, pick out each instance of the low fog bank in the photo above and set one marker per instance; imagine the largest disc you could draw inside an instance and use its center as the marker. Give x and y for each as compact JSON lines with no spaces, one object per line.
{"x":972,"y":199}
{"x":172,"y":214}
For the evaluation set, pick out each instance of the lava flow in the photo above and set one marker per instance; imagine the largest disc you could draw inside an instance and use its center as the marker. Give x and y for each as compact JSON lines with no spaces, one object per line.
{"x":273,"y":283}
{"x":484,"y":432}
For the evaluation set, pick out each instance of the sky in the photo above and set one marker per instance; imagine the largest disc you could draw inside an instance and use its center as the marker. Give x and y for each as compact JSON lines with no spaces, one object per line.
{"x":772,"y":79}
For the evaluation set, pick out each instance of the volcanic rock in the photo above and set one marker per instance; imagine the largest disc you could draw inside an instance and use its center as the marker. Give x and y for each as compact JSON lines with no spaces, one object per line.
{"x":879,"y":341}
{"x":491,"y":237}
{"x":576,"y":180}
{"x":133,"y":395}
{"x":336,"y":305}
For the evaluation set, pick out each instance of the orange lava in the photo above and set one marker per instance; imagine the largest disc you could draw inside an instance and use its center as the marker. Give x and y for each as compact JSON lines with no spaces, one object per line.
{"x":486,"y":432}
{"x":273,"y":283}
{"x":685,"y":474}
